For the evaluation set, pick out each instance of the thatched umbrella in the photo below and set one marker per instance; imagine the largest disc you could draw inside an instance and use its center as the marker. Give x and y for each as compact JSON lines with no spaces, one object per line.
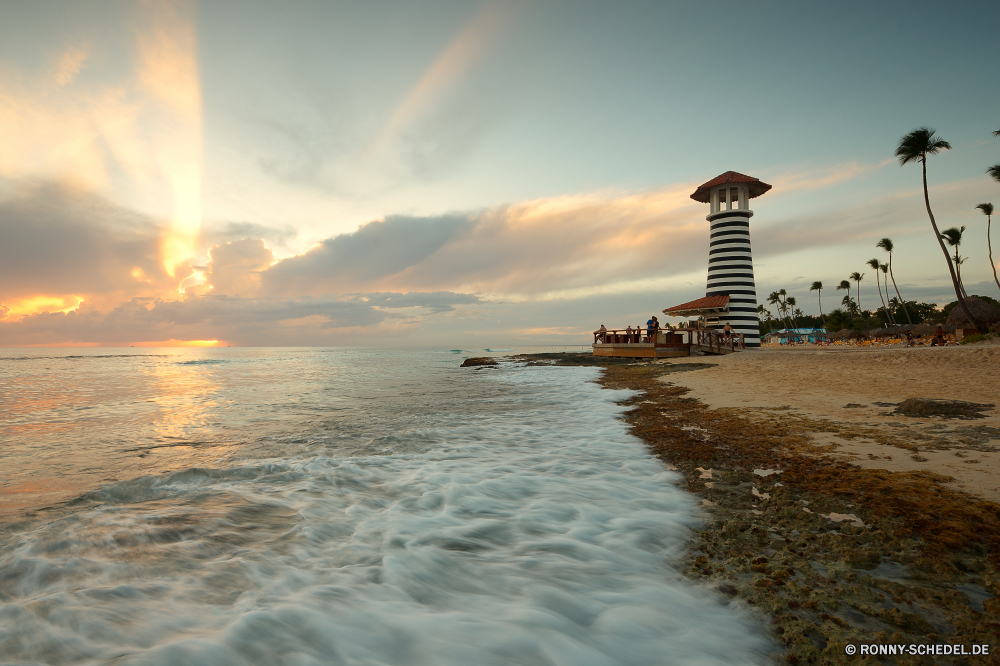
{"x":980,"y":309}
{"x":846,"y":334}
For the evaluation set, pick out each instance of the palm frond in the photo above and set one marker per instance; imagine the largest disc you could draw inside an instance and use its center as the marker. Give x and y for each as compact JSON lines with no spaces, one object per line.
{"x":953,"y":236}
{"x":885,"y":244}
{"x":987,"y":208}
{"x":918,"y":144}
{"x":994,"y":172}
{"x":816,"y":286}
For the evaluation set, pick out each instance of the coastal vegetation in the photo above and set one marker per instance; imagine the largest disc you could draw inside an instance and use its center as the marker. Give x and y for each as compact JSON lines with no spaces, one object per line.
{"x":886,"y":244}
{"x":916,"y":147}
{"x":987,"y":210}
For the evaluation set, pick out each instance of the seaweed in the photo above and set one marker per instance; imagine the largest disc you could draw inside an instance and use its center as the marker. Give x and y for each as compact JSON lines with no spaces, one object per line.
{"x":833,"y":553}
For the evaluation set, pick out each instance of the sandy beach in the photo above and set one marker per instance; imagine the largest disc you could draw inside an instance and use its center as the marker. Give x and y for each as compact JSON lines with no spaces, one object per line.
{"x":857,"y":390}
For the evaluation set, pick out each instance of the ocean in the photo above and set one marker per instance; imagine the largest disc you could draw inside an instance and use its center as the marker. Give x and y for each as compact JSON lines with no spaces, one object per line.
{"x":338,"y":506}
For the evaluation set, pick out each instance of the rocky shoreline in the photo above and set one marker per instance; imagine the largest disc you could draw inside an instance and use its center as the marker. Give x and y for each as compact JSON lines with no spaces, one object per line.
{"x":833,"y":554}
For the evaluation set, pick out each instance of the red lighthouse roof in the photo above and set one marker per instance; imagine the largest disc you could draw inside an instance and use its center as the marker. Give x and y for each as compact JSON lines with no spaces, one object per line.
{"x":699,"y":306}
{"x":757,"y":187}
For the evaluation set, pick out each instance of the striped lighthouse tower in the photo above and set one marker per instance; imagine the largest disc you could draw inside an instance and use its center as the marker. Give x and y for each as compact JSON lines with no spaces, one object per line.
{"x":730,"y":266}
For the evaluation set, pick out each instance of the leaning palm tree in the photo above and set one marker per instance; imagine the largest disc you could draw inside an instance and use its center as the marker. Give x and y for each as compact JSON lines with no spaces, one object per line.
{"x":915,"y":147}
{"x":885,"y":280}
{"x":886,"y":244}
{"x":987,"y":209}
{"x":777,"y":299}
{"x":874,"y":263}
{"x":858,"y":277}
{"x":953,"y":237}
{"x":818,"y":287}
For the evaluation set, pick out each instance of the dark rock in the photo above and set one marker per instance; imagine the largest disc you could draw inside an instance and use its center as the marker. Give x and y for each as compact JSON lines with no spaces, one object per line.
{"x":947,"y":408}
{"x":478,"y":361}
{"x":852,"y":405}
{"x":728,"y":590}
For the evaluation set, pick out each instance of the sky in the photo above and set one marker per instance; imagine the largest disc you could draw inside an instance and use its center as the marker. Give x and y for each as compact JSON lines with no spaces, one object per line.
{"x":468,"y":174}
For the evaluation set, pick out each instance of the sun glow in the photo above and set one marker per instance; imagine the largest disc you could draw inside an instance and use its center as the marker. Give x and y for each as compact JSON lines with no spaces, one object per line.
{"x":197,"y":278}
{"x":132,"y":134}
{"x":43,"y":303}
{"x":180,"y":343}
{"x":168,"y":72}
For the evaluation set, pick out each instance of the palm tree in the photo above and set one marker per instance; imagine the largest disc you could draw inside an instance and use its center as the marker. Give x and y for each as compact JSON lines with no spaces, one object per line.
{"x":953,"y":237}
{"x":789,"y":306}
{"x":850,"y":305}
{"x":886,"y":244}
{"x":915,"y":147}
{"x":777,"y":299}
{"x":858,"y":277}
{"x":885,"y":280}
{"x":818,"y":286}
{"x":844,"y":284}
{"x":987,"y":209}
{"x":994,"y":171}
{"x":874,"y":263}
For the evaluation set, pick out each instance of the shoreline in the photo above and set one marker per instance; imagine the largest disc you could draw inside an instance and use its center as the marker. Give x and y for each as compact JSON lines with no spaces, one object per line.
{"x":837,"y":547}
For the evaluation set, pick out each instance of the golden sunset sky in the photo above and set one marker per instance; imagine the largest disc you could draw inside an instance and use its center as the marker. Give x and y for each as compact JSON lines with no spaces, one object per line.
{"x":463,"y":173}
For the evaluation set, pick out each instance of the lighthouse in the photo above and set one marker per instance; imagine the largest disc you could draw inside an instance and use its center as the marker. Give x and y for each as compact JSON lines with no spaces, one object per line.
{"x":730,"y":266}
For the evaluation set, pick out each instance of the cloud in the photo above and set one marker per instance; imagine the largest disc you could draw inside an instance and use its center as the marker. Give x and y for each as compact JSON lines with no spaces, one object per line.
{"x":899,"y":213}
{"x":70,"y":63}
{"x":450,"y":66}
{"x":522,"y":250}
{"x":350,"y":262}
{"x":351,"y":319}
{"x":218,"y":233}
{"x":137,"y":134}
{"x":60,"y":241}
{"x":235,"y":267}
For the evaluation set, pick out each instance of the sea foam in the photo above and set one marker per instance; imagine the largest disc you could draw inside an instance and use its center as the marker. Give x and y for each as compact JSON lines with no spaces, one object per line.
{"x":536,"y":531}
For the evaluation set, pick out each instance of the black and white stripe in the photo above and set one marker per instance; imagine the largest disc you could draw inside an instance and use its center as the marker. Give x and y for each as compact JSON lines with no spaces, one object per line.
{"x":730,"y":271}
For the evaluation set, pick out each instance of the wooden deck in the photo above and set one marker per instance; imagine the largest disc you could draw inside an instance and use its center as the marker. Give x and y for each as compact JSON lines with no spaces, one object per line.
{"x":666,"y":344}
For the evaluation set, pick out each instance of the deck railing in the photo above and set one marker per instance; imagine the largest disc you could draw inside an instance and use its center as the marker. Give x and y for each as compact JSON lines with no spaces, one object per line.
{"x":680,"y":337}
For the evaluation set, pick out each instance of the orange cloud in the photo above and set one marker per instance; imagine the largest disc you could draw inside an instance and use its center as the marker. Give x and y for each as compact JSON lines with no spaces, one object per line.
{"x":40,"y":303}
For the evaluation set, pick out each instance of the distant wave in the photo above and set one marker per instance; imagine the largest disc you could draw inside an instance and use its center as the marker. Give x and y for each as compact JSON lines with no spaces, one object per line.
{"x":202,"y":361}
{"x":497,"y":350}
{"x":49,"y":358}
